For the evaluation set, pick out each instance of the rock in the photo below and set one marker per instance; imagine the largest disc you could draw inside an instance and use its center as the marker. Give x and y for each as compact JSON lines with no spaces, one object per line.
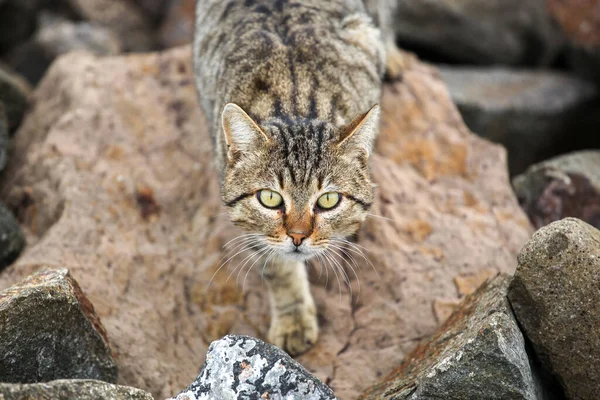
{"x":580,"y":23}
{"x":14,"y":93}
{"x":534,"y":114}
{"x":155,"y":9}
{"x":565,"y":186}
{"x":17,"y":22}
{"x":12,"y":240}
{"x":239,"y":367}
{"x":51,"y":331}
{"x":555,"y":298}
{"x":55,"y":36}
{"x":179,"y":24}
{"x":479,"y":353}
{"x":123,"y":17}
{"x":4,"y":136}
{"x":80,"y":389}
{"x":112,"y":177}
{"x":482,"y":32}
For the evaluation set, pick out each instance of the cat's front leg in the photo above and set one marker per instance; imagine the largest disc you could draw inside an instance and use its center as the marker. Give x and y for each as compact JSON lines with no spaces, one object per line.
{"x":294,"y":326}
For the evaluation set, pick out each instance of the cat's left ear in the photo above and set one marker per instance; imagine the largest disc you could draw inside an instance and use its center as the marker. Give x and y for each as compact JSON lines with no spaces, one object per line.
{"x":362,"y":131}
{"x":242,"y":134}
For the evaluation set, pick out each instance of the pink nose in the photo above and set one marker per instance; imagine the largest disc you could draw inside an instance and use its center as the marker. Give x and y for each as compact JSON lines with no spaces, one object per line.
{"x":297,"y":238}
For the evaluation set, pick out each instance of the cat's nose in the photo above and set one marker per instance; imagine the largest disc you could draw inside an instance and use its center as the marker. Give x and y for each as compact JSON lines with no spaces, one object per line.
{"x":297,"y":238}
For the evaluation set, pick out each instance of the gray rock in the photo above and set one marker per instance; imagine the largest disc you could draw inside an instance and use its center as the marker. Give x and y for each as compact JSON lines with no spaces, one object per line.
{"x":14,"y":93}
{"x":51,"y":331}
{"x":66,"y":389}
{"x":12,"y":240}
{"x":242,"y":367}
{"x":534,"y":114}
{"x":565,"y":186}
{"x":57,"y":35}
{"x":555,"y":297}
{"x":155,"y":9}
{"x":513,"y":32}
{"x":478,"y":353}
{"x":122,"y":17}
{"x":4,"y":136}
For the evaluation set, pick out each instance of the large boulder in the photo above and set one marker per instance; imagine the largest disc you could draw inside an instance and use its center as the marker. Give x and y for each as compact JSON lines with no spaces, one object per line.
{"x":49,"y":330}
{"x":112,"y":177}
{"x":564,"y":186}
{"x":479,"y":353}
{"x":555,"y":298}
{"x":69,"y":389}
{"x":534,"y":114}
{"x":484,"y":32}
{"x":240,"y":367}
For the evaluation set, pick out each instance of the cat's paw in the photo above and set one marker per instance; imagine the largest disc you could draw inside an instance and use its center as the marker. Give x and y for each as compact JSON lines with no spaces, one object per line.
{"x":296,"y":332}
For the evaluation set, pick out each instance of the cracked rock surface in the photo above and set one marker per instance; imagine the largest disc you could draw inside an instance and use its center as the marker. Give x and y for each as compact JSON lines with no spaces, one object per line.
{"x":479,"y":353}
{"x":49,"y":330}
{"x":240,"y":367}
{"x":112,"y":178}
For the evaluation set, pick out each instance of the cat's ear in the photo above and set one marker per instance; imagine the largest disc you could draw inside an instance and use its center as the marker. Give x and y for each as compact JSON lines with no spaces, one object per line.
{"x":242,"y":134}
{"x":361,"y":132}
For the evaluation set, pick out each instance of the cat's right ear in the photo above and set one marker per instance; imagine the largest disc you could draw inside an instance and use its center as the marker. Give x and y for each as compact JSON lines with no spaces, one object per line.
{"x":242,"y":134}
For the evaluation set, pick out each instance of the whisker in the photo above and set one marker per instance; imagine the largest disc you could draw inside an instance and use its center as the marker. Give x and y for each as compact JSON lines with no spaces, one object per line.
{"x":262,"y":272}
{"x":238,"y":238}
{"x":248,"y":246}
{"x":265,"y":251}
{"x":351,"y":268}
{"x":245,"y":261}
{"x":336,"y":275}
{"x":380,"y":216}
{"x":355,"y":249}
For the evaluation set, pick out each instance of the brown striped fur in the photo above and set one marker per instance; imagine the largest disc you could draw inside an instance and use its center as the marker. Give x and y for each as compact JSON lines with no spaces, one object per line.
{"x":304,"y":79}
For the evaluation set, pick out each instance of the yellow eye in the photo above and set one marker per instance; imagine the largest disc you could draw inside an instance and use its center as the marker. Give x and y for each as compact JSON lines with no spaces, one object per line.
{"x":270,"y":199}
{"x":329,"y":200}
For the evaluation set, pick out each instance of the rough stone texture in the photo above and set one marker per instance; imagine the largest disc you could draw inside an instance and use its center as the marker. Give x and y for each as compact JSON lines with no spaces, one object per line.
{"x":534,"y":114}
{"x":12,"y":240}
{"x":579,"y":21}
{"x":121,"y":16}
{"x":51,"y":331}
{"x":69,"y":389}
{"x":14,"y":93}
{"x":484,"y":32}
{"x":565,"y":186}
{"x":178,"y":26}
{"x":239,"y":367}
{"x":479,"y":353}
{"x":55,"y":36}
{"x":112,"y":177}
{"x":555,"y":297}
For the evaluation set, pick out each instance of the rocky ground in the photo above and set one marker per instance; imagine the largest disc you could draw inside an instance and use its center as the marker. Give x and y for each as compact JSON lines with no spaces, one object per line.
{"x":112,"y":228}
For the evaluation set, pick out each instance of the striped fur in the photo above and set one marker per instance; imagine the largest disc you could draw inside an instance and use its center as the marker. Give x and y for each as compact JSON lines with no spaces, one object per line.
{"x":305,"y":74}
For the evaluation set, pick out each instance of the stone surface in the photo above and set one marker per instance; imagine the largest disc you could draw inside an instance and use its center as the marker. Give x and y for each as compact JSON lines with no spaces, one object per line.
{"x":14,"y":93}
{"x":178,"y":25}
{"x":565,"y":186}
{"x":579,"y":21}
{"x":112,"y":177}
{"x":534,"y":114}
{"x":12,"y":240}
{"x":479,"y":353}
{"x":239,"y":367}
{"x":123,"y":17}
{"x":55,"y":36}
{"x":513,"y":32}
{"x":69,"y":389}
{"x":51,"y":331}
{"x":555,"y":297}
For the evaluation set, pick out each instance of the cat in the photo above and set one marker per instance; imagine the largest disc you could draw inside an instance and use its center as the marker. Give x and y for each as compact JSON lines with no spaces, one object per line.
{"x":291,"y":89}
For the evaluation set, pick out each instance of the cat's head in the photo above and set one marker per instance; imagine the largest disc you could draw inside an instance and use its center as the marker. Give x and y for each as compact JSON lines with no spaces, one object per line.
{"x":298,"y":186}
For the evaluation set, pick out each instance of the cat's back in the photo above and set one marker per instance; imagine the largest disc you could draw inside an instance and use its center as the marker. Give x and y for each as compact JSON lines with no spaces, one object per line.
{"x":296,"y":59}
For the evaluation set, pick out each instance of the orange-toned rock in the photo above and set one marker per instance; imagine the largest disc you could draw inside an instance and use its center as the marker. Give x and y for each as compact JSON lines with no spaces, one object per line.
{"x":106,"y":132}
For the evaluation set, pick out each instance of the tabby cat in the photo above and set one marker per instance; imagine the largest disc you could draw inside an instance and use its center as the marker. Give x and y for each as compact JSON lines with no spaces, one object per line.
{"x":291,"y":91}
